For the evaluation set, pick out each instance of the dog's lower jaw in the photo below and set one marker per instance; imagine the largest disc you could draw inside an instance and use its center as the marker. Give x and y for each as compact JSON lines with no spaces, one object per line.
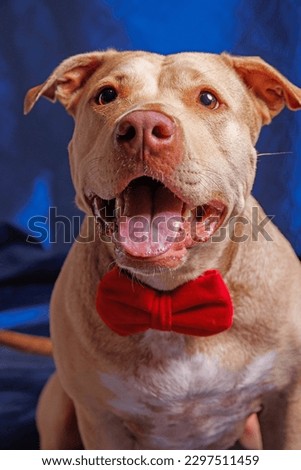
{"x":166,"y":277}
{"x":190,"y":263}
{"x":153,"y":265}
{"x":152,"y":227}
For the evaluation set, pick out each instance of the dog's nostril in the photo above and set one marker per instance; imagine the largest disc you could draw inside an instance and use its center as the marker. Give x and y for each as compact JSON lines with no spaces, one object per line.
{"x":126,"y":134}
{"x":158,"y":132}
{"x":161,"y":132}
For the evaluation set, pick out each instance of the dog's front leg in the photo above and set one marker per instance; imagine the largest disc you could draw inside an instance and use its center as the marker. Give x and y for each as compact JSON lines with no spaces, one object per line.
{"x":280,"y":420}
{"x":103,"y":431}
{"x":56,"y":418}
{"x":293,"y":419}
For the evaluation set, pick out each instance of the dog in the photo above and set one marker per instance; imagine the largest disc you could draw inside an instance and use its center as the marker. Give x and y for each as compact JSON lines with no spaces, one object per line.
{"x":163,"y":161}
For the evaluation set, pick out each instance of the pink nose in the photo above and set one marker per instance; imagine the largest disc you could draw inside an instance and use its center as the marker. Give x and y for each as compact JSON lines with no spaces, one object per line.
{"x":146,"y":133}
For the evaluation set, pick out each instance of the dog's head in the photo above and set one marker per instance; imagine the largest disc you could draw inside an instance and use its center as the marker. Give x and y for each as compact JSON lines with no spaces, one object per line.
{"x":163,"y":148}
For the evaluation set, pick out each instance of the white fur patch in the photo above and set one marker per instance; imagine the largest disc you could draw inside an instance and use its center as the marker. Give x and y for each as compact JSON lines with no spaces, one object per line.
{"x":190,"y":402}
{"x":140,"y":67}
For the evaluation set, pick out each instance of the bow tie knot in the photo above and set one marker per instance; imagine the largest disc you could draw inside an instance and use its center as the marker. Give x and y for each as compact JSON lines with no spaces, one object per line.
{"x":201,"y":307}
{"x":161,"y":313}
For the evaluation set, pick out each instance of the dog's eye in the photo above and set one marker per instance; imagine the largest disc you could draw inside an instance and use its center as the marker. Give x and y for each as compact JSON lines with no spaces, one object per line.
{"x":209,"y":100}
{"x":106,"y":96}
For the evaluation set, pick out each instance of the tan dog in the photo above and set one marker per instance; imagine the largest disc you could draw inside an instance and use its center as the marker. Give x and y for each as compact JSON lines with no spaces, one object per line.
{"x":172,"y":135}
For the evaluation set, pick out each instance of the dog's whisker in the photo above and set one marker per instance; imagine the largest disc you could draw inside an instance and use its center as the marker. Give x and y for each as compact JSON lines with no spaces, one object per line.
{"x":273,"y":153}
{"x":112,"y":265}
{"x":213,"y":178}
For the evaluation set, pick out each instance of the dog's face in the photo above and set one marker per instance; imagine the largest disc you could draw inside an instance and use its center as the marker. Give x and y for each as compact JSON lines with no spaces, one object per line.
{"x":163,"y":148}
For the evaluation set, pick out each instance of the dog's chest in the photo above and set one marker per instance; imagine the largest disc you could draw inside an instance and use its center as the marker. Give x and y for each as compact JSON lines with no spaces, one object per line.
{"x":187,"y":402}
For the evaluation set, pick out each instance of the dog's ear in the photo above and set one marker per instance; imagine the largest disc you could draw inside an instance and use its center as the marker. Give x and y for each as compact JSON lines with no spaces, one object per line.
{"x":271,"y":89}
{"x":66,"y":81}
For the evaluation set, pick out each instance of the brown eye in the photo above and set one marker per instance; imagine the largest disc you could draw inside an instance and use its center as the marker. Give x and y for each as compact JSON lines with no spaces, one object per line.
{"x":106,"y":96}
{"x":209,"y":100}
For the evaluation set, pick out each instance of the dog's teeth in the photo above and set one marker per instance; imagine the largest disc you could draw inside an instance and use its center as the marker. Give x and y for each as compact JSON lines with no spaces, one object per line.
{"x":187,"y":213}
{"x":119,"y":205}
{"x":95,"y":205}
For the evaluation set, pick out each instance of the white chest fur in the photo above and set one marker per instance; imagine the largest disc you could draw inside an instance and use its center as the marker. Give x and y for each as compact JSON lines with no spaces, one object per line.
{"x":187,"y":402}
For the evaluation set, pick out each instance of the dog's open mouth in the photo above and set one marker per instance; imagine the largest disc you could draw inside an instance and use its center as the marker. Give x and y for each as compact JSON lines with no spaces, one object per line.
{"x":147,"y":220}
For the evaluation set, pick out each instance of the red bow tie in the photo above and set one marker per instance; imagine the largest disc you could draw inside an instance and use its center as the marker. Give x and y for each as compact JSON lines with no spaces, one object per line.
{"x":202,"y":307}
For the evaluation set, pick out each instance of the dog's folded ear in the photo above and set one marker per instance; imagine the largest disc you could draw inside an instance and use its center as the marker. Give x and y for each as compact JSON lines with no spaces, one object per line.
{"x":272,"y":91}
{"x":66,"y":81}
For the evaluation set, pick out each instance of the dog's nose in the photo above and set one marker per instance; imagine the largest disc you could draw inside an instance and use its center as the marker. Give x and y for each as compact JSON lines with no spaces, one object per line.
{"x":149,"y":132}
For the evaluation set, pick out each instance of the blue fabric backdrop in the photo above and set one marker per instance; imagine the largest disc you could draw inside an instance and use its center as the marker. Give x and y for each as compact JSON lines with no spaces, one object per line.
{"x":35,"y":35}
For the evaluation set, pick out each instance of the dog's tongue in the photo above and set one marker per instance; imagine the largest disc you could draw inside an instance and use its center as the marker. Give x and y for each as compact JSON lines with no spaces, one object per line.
{"x":151,"y":219}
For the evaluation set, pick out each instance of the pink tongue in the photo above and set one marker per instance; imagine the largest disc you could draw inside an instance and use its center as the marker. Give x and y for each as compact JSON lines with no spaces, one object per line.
{"x":151,"y":220}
